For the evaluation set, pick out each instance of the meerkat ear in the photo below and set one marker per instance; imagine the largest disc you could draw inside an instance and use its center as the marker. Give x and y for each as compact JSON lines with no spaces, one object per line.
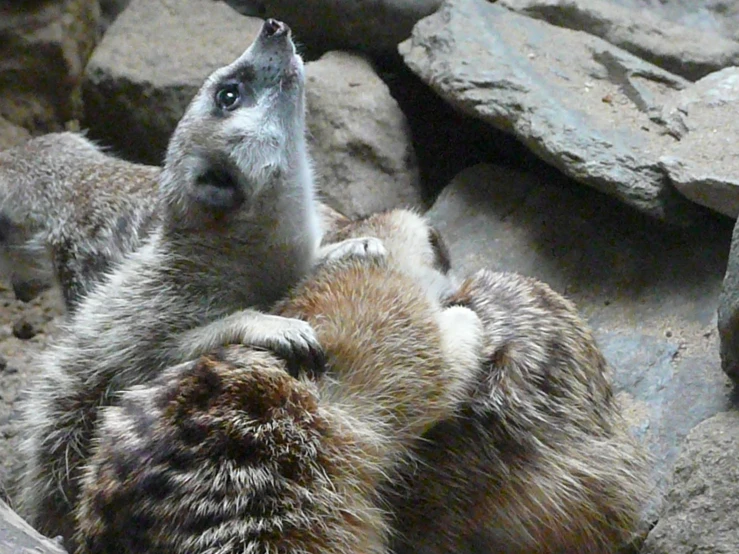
{"x":219,"y":187}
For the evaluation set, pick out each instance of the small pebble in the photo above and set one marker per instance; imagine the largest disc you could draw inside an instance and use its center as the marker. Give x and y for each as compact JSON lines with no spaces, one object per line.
{"x":23,"y":330}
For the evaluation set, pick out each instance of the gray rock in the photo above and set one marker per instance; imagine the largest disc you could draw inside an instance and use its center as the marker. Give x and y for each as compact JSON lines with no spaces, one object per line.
{"x":648,"y":290}
{"x":109,"y":11}
{"x":702,"y":512}
{"x":360,"y":139}
{"x":150,"y":63}
{"x":645,"y":31}
{"x":375,"y":26}
{"x":720,"y":17}
{"x":19,"y":537}
{"x":43,"y":50}
{"x":704,"y":165}
{"x":11,"y":135}
{"x":728,"y":312}
{"x":581,"y":104}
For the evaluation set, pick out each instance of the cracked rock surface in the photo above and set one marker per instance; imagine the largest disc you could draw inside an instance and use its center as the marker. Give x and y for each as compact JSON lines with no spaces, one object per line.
{"x":586,"y":107}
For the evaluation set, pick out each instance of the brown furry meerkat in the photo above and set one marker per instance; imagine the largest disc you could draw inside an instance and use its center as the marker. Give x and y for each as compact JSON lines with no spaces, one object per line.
{"x":539,"y":460}
{"x":68,"y":212}
{"x":237,"y":227}
{"x":228,"y":454}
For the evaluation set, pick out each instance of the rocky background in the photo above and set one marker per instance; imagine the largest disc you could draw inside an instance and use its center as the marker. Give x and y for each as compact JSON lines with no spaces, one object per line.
{"x":593,"y":144}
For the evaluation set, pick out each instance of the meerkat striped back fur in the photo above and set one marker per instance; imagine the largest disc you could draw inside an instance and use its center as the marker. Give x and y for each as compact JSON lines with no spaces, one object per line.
{"x":540,"y":459}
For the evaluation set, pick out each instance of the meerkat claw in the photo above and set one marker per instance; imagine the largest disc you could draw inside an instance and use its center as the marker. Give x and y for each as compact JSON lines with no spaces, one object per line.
{"x":362,"y":247}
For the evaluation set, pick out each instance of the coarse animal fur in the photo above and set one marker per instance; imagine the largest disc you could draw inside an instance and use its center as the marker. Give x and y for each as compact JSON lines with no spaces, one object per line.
{"x":238,"y":227}
{"x":228,"y":454}
{"x":68,"y":212}
{"x":540,"y":460}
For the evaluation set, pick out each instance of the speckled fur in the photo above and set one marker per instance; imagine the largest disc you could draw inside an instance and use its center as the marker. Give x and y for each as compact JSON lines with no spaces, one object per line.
{"x":69,"y":212}
{"x":540,"y":460}
{"x":238,"y":227}
{"x":228,"y":454}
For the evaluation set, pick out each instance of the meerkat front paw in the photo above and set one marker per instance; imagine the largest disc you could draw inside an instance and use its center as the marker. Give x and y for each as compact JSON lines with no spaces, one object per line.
{"x":365,"y":247}
{"x":294,"y":341}
{"x":291,"y":339}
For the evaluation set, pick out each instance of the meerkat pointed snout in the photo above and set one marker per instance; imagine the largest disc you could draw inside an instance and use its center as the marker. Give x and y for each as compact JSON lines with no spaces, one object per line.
{"x":252,"y":112}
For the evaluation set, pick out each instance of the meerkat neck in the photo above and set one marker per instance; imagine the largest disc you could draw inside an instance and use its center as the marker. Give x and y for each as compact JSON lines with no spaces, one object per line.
{"x":255,"y":256}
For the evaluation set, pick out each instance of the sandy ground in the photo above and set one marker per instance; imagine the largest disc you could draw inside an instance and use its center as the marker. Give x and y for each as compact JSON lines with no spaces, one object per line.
{"x":24,"y":331}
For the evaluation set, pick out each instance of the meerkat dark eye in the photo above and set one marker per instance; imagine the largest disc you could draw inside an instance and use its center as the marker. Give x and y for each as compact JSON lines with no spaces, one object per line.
{"x":228,"y":96}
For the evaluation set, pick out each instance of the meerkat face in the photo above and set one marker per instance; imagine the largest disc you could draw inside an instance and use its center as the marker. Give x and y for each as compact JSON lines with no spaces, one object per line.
{"x":243,"y":129}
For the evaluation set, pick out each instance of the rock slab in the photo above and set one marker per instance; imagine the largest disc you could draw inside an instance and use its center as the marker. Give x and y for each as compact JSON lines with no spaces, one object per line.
{"x":579,"y":103}
{"x":703,"y":503}
{"x":18,"y":537}
{"x":644,"y":30}
{"x":728,"y":312}
{"x":374,"y":26}
{"x":648,"y":290}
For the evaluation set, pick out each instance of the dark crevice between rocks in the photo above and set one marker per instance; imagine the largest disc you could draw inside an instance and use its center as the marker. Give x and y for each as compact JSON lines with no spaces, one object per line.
{"x":445,"y":140}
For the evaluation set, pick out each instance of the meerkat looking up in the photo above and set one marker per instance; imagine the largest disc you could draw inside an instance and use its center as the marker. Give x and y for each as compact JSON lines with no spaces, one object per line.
{"x":69,"y":211}
{"x":227,"y":454}
{"x":237,"y":227}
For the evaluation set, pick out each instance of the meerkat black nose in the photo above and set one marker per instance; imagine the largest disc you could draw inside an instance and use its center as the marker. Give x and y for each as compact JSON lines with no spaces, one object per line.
{"x":274,"y":28}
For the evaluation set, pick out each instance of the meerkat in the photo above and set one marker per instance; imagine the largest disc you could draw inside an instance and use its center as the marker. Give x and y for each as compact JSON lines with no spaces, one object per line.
{"x":228,"y":454}
{"x":540,"y":460}
{"x":68,"y":211}
{"x":238,"y":226}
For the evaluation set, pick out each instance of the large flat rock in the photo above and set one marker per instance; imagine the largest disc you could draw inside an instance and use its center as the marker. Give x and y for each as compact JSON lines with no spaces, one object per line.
{"x":18,"y":537}
{"x":643,"y":29}
{"x":648,"y":290}
{"x":581,"y":104}
{"x":728,"y":312}
{"x":702,"y":512}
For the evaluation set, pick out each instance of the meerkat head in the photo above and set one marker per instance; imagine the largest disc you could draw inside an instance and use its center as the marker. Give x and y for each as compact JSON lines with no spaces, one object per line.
{"x":242,"y":132}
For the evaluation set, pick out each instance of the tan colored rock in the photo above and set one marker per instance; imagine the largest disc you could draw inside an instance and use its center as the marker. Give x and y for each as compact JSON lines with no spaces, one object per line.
{"x":150,"y":63}
{"x":43,"y":50}
{"x":360,"y":139}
